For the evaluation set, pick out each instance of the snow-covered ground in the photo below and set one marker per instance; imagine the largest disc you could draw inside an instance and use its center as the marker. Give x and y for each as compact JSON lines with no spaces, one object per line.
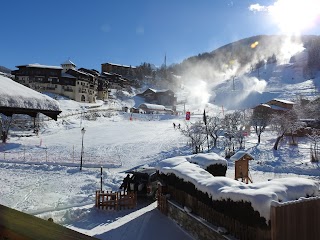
{"x":40,"y":174}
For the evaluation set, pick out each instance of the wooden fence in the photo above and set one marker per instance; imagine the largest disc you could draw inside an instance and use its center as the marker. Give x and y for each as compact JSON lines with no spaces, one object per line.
{"x":296,"y":220}
{"x":115,"y":200}
{"x":235,"y":227}
{"x":162,"y":203}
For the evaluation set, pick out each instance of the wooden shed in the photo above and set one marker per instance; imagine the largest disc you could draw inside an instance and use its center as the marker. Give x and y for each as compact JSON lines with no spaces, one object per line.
{"x":241,"y":159}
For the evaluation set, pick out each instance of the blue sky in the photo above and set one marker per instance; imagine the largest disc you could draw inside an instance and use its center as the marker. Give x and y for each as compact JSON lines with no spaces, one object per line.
{"x":91,"y":32}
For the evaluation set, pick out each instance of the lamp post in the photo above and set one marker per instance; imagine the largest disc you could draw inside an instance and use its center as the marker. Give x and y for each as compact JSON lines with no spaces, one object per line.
{"x":82,"y":132}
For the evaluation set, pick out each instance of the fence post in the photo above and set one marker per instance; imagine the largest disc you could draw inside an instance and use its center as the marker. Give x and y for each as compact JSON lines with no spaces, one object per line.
{"x":101,"y":179}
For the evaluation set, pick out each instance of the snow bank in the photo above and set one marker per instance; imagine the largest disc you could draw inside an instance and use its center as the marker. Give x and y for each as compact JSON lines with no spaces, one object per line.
{"x":13,"y":94}
{"x":260,"y":195}
{"x":206,"y":159}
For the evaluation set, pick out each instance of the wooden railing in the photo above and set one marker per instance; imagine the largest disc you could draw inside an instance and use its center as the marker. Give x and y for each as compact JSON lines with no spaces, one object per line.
{"x":115,"y":200}
{"x":162,"y":202}
{"x":235,"y":227}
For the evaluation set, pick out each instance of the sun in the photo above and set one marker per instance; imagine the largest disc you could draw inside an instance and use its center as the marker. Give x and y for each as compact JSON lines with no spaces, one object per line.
{"x":294,"y":16}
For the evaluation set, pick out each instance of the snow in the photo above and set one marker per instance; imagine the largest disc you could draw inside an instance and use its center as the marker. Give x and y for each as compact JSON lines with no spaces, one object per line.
{"x":238,"y":155}
{"x":283,"y":101}
{"x":37,"y":65}
{"x":152,"y":106}
{"x":260,"y":195}
{"x":205,"y":160}
{"x":13,"y":94}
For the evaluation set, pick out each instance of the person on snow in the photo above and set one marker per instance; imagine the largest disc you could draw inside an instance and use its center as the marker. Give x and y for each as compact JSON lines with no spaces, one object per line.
{"x":125,"y":183}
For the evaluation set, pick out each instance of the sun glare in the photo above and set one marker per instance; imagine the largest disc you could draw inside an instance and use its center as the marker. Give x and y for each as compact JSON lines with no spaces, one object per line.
{"x":294,"y":16}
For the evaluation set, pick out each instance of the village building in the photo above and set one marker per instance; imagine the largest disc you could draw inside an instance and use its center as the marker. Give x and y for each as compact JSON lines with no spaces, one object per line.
{"x":116,"y":81}
{"x":161,"y":97}
{"x":154,"y":109}
{"x":123,"y":70}
{"x":65,"y":80}
{"x":280,"y":104}
{"x":274,"y":106}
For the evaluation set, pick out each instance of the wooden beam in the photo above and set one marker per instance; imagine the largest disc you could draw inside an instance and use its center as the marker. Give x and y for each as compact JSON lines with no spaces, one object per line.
{"x":21,"y":226}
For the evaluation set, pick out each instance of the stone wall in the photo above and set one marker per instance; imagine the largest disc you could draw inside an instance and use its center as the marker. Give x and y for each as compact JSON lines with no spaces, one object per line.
{"x":196,"y":227}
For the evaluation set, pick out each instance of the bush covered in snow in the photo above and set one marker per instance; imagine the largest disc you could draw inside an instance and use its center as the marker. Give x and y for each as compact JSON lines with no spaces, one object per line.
{"x":249,"y":203}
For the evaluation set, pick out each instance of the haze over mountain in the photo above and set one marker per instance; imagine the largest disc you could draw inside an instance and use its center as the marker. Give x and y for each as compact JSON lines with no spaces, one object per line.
{"x":244,"y":73}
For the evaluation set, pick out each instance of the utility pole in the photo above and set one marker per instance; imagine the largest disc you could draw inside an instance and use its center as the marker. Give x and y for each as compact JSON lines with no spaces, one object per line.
{"x":205,"y":122}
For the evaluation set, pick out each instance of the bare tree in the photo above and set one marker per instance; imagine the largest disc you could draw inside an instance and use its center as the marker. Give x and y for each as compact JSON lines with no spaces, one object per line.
{"x":215,"y":128}
{"x":196,"y":133}
{"x":260,"y":119}
{"x":231,"y":124}
{"x":278,"y":125}
{"x":314,"y":146}
{"x":285,"y":123}
{"x":5,"y":123}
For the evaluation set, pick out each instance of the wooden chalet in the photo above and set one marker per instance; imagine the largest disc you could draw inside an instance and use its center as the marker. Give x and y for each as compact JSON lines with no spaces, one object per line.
{"x":280,"y":104}
{"x":161,"y":97}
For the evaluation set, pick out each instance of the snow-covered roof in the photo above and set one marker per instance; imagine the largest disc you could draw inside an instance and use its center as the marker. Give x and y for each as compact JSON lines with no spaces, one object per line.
{"x":15,"y":95}
{"x":260,"y":195}
{"x":265,"y":105}
{"x":66,"y":75}
{"x":152,"y":106}
{"x":107,"y":73}
{"x":283,"y":101}
{"x":84,"y":73}
{"x":68,"y":62}
{"x":206,"y":159}
{"x":275,"y":107}
{"x":37,"y":65}
{"x":239,"y":155}
{"x":119,"y":65}
{"x":158,"y":91}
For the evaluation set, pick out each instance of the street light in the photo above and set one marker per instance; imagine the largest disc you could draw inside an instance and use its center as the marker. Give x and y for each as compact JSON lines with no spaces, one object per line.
{"x":83,"y":131}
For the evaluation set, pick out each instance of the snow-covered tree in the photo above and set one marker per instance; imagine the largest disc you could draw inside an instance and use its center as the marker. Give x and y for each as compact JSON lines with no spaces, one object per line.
{"x":196,"y":133}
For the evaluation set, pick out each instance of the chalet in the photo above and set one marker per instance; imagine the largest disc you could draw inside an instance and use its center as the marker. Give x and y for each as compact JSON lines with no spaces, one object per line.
{"x":162,"y":97}
{"x":64,"y":80}
{"x":154,"y":108}
{"x":280,"y":104}
{"x":273,"y":106}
